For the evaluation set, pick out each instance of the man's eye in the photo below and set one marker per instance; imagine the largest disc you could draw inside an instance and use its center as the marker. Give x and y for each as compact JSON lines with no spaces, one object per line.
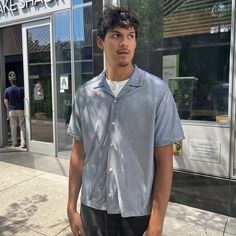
{"x":131,"y":36}
{"x":116,"y":35}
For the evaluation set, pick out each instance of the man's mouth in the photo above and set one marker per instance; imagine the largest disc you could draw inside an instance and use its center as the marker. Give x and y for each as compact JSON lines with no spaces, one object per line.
{"x":123,"y":52}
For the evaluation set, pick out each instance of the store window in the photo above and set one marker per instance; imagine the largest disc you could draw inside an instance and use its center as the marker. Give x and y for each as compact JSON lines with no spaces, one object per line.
{"x":76,"y":2}
{"x":98,"y":59}
{"x":187,"y":43}
{"x":83,"y":44}
{"x":63,"y":78}
{"x":199,"y":42}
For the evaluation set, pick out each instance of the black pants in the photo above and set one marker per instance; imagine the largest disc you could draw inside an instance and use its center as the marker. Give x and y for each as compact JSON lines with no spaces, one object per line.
{"x":99,"y":223}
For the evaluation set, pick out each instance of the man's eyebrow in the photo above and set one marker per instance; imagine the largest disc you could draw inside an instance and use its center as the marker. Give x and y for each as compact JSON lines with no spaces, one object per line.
{"x":117,"y":31}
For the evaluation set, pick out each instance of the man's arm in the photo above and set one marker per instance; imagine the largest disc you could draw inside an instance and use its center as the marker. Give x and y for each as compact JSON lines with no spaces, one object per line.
{"x":75,"y":181}
{"x":6,"y":103}
{"x":161,"y":189}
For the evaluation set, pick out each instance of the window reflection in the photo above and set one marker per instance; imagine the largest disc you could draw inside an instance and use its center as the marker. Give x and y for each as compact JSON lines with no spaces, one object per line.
{"x":75,"y":2}
{"x":63,"y":77}
{"x":83,"y":43}
{"x":199,"y":33}
{"x":62,"y":36}
{"x":38,"y":45}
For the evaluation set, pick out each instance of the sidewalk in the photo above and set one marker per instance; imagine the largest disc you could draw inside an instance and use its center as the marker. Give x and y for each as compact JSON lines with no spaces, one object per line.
{"x":33,"y":196}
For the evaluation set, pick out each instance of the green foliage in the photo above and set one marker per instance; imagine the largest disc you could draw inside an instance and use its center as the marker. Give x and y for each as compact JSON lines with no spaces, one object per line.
{"x":150,"y":14}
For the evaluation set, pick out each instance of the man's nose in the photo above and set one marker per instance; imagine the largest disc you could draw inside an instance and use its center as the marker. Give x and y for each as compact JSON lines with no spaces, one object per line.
{"x":124,"y":41}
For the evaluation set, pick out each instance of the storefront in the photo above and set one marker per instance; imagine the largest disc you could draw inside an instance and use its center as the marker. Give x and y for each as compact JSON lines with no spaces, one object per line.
{"x":49,"y":46}
{"x":190,"y":44}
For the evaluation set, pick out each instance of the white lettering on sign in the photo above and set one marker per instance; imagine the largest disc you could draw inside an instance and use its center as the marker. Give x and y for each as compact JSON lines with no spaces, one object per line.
{"x":204,"y":150}
{"x":11,"y":5}
{"x":4,"y":7}
{"x":11,"y":10}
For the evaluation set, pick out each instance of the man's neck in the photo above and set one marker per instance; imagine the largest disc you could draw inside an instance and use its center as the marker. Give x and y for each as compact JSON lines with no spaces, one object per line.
{"x":120,"y":73}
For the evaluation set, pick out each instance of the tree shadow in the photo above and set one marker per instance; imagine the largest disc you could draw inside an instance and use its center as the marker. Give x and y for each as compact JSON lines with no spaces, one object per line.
{"x":199,"y":218}
{"x":18,"y":214}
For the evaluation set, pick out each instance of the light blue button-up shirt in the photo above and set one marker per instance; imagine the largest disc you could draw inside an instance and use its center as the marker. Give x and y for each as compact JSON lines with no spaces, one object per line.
{"x":119,"y":136}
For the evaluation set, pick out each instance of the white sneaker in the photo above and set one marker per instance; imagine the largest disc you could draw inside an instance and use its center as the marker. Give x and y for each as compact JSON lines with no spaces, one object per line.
{"x":22,"y":146}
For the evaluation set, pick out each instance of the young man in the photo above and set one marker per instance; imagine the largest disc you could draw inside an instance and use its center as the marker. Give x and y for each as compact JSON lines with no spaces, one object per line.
{"x":14,"y":102}
{"x":124,"y":123}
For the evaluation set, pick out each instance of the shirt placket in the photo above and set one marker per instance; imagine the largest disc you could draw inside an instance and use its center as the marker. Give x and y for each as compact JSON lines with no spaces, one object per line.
{"x":112,"y":201}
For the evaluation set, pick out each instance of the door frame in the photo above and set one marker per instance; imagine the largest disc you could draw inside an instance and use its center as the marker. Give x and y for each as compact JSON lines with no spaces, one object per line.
{"x":33,"y":145}
{"x":3,"y":114}
{"x":233,"y":94}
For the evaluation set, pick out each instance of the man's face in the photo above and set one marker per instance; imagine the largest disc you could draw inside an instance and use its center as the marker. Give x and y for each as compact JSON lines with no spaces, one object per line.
{"x":119,"y":46}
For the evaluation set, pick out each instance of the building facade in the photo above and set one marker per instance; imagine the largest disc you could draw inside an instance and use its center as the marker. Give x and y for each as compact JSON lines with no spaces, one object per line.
{"x":51,"y":45}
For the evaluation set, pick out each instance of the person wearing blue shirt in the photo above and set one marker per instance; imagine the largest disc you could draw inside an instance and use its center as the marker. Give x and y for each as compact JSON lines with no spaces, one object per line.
{"x":124,"y":123}
{"x":14,"y":102}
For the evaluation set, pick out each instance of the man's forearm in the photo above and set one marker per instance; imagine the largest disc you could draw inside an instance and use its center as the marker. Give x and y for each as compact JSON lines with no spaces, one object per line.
{"x":75,"y":175}
{"x":161,"y":189}
{"x":74,"y":187}
{"x":6,"y":103}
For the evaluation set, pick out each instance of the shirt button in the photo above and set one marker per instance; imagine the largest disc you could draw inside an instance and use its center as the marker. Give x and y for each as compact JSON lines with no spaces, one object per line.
{"x":110,"y":169}
{"x":115,"y":101}
{"x":109,"y":195}
{"x":113,"y":123}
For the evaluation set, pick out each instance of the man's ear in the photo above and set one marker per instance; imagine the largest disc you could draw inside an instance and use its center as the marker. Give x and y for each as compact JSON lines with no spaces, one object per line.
{"x":100,"y":43}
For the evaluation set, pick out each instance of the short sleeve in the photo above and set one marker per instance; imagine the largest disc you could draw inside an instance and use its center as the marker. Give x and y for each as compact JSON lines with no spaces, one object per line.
{"x":74,"y":128}
{"x":6,"y":95}
{"x":168,"y":127}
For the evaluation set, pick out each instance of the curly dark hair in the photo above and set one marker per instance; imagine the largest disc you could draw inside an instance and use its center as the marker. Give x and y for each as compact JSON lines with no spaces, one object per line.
{"x":116,"y":16}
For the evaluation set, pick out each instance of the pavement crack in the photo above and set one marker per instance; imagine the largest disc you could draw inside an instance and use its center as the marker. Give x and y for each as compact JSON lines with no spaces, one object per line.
{"x":14,"y":185}
{"x":62,"y":230}
{"x":226,"y":223}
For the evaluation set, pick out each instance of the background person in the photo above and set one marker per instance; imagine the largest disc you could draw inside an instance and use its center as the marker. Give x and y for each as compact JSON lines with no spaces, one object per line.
{"x":124,"y":123}
{"x":14,"y":102}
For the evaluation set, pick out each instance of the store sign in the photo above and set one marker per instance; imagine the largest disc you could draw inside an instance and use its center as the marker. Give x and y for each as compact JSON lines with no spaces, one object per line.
{"x":11,"y":10}
{"x":222,"y":11}
{"x":204,"y":150}
{"x":219,"y":9}
{"x":64,"y":83}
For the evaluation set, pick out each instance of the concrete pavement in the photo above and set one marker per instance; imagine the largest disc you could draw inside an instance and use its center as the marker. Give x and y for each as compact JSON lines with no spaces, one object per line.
{"x":33,"y":196}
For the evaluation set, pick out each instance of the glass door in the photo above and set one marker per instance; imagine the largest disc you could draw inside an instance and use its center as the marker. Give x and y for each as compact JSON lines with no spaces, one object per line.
{"x":39,"y":105}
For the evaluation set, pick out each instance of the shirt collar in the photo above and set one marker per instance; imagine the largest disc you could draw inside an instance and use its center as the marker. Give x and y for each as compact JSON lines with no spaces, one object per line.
{"x":136,"y":79}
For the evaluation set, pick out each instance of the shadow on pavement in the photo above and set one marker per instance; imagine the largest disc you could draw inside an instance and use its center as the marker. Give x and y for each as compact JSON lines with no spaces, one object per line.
{"x":19,"y":213}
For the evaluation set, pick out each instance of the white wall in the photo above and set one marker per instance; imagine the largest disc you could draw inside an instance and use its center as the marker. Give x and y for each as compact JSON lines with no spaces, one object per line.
{"x":206,"y":150}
